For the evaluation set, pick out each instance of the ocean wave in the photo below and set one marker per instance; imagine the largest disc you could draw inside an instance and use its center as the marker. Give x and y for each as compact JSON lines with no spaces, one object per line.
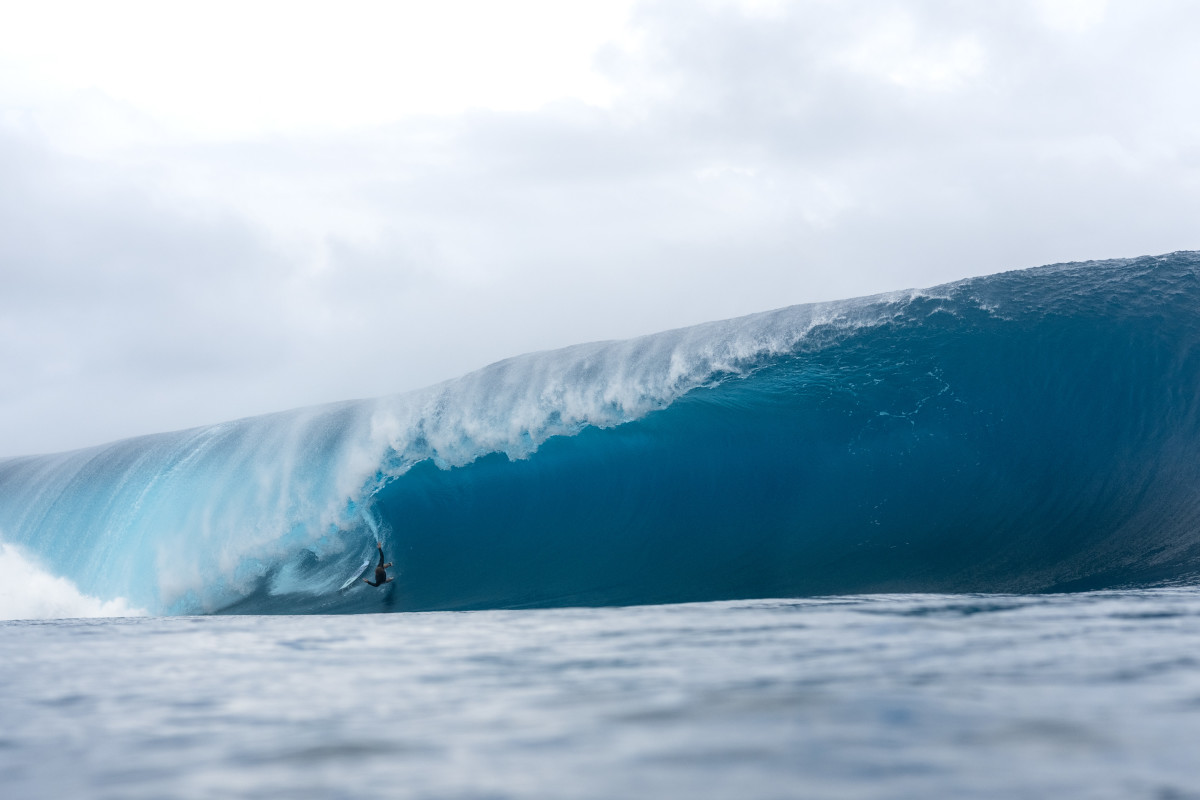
{"x":1027,"y":431}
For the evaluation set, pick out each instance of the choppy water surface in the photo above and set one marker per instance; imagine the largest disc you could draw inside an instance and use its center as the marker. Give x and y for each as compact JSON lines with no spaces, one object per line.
{"x":1091,"y":695}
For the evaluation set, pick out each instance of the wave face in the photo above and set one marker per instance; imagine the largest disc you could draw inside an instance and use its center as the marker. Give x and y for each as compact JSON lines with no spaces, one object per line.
{"x":1025,"y":432}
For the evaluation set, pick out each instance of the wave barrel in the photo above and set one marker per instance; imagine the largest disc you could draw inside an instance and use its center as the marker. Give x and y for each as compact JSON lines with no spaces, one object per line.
{"x":1030,"y":431}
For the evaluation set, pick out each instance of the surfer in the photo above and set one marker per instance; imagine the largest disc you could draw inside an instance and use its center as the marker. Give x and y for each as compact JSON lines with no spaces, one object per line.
{"x":380,"y":571}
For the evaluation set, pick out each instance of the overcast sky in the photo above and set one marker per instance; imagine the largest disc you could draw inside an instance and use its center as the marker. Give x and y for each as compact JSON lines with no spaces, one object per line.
{"x":212,"y":210}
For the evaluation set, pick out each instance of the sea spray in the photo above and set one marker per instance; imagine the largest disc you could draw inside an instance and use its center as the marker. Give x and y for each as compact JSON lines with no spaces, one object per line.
{"x":1028,"y":431}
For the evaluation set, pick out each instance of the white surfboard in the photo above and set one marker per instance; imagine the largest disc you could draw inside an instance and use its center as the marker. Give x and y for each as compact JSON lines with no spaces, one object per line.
{"x":354,"y":578}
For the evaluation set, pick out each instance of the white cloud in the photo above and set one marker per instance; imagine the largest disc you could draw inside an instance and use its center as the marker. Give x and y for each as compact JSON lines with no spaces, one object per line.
{"x":251,"y":67}
{"x":296,"y":251}
{"x":1072,"y":15}
{"x":893,"y":50}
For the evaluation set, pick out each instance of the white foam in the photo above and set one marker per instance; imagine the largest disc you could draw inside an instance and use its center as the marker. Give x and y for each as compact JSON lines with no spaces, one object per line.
{"x":28,"y":592}
{"x":515,"y":405}
{"x":192,"y":520}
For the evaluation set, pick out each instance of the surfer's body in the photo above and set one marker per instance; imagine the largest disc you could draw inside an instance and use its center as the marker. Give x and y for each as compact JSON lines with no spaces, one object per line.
{"x":380,"y":571}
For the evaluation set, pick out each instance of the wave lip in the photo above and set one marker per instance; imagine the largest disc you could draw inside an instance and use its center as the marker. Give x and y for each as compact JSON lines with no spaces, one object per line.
{"x":1028,"y":431}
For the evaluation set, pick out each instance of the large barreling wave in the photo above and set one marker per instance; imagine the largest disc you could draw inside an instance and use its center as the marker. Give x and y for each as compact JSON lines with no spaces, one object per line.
{"x":1030,"y":431}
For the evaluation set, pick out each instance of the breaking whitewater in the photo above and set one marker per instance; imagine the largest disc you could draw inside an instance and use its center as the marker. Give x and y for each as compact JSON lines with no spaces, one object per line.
{"x":1028,"y":432}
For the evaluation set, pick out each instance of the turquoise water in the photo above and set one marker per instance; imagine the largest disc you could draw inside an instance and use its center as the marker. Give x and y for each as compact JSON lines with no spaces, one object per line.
{"x":1026,"y":432}
{"x":979,"y":501}
{"x":1089,"y":695}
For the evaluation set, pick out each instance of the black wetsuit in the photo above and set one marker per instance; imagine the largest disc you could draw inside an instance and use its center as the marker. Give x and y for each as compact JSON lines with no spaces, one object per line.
{"x":380,"y":572}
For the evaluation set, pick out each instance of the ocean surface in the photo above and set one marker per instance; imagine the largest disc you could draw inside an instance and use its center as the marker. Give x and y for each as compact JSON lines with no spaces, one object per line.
{"x":979,"y":503}
{"x":1085,"y":695}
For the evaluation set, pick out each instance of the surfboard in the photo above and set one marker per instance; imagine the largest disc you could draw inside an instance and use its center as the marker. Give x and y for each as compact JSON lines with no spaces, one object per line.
{"x":354,"y":578}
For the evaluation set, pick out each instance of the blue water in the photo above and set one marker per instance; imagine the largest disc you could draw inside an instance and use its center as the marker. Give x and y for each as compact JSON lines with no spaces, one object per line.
{"x":1025,"y":432}
{"x":938,"y":543}
{"x":1087,"y":695}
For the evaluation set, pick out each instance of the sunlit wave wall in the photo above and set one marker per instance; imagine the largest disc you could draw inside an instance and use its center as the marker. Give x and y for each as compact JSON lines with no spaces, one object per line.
{"x":1030,"y":431}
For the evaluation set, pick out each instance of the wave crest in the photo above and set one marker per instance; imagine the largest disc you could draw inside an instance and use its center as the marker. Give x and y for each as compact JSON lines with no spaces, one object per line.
{"x":1045,"y":413}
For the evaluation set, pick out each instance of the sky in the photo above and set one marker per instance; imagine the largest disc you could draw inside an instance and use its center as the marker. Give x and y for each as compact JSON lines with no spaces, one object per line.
{"x":213,"y":210}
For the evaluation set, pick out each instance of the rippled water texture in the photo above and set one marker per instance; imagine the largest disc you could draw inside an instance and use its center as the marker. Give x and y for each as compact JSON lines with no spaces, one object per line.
{"x":1092,"y":695}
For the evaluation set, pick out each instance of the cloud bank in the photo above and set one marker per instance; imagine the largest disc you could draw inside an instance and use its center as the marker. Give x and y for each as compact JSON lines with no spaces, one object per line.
{"x":737,"y":157}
